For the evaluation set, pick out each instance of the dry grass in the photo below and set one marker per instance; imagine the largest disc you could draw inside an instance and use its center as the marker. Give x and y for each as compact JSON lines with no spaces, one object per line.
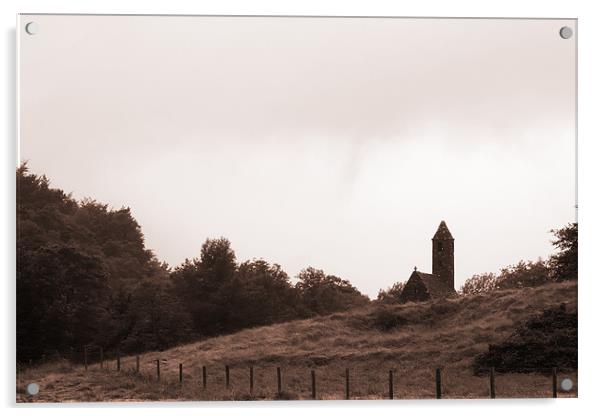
{"x":416,"y":339}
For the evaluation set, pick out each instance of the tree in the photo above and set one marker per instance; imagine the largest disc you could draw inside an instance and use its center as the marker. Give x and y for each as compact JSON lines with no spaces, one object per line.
{"x":564,"y":264}
{"x":262,"y":294}
{"x":62,"y":300}
{"x":156,"y":319}
{"x":524,"y":274}
{"x":321,"y":294}
{"x":218,"y":261}
{"x":479,"y":283}
{"x":205,"y":287}
{"x":391,"y":294}
{"x":78,"y":264}
{"x":117,"y":235}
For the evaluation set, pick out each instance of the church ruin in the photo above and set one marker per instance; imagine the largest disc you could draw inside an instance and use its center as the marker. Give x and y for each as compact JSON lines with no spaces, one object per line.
{"x":424,"y":286}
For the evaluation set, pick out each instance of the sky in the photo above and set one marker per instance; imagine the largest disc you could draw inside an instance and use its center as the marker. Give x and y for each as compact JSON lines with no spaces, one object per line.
{"x":333,"y":143}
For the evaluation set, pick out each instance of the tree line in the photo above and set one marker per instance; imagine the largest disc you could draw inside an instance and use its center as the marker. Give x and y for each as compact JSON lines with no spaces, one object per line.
{"x":561,"y":266}
{"x":84,"y":277}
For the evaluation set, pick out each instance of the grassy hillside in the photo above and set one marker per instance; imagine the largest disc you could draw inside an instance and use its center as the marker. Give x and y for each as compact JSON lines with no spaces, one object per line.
{"x":411,"y":339}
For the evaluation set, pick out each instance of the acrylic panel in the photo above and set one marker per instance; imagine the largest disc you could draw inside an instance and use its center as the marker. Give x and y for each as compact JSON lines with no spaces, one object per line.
{"x":295,"y":208}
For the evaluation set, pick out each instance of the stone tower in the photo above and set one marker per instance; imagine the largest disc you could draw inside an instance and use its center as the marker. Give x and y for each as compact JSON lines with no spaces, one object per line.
{"x":443,"y":255}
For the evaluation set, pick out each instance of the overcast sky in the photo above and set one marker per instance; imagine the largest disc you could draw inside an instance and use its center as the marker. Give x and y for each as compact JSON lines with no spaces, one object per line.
{"x":335,"y":143}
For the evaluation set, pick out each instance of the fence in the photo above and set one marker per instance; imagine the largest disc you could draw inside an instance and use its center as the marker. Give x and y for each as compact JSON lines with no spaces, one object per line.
{"x":199,"y":376}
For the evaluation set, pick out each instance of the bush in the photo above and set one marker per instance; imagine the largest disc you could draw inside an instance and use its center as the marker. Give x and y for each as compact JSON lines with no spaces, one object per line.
{"x":388,"y":319}
{"x":544,"y":341}
{"x":444,"y":307}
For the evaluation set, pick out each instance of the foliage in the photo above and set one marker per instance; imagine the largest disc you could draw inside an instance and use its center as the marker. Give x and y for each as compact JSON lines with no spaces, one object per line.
{"x":79,"y":267}
{"x":524,"y":274}
{"x":544,"y":341}
{"x":479,"y":283}
{"x":564,"y":263}
{"x":561,"y":266}
{"x":203,"y":286}
{"x":391,"y":294}
{"x":84,"y":277}
{"x":322,"y":294}
{"x":62,"y":299}
{"x":387,"y":319}
{"x":264,"y":294}
{"x":156,"y":320}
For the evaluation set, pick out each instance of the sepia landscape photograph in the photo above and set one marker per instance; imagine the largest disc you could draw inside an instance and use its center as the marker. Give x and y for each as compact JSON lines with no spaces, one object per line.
{"x":215,"y":208}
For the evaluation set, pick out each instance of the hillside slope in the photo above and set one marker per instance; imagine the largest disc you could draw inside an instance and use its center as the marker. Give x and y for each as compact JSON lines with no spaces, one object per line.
{"x":411,"y":339}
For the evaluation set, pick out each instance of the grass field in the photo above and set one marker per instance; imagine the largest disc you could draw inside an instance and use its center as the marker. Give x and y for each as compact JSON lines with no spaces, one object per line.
{"x":412,"y":340}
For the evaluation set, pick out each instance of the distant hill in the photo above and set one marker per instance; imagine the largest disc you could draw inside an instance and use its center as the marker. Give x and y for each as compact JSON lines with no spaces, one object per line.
{"x":412,"y":339}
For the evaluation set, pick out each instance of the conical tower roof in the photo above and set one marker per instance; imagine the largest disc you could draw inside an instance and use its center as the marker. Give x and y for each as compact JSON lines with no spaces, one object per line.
{"x":443,"y":232}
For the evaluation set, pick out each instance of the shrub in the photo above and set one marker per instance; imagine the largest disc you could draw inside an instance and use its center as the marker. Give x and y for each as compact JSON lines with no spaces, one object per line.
{"x":544,"y":341}
{"x":444,"y":307}
{"x":388,"y":319}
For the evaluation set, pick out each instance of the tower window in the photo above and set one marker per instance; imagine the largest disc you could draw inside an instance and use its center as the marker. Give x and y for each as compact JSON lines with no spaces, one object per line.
{"x":439,"y":246}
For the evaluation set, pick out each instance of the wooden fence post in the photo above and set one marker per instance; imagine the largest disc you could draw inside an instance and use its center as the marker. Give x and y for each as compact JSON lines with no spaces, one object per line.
{"x":390,"y":384}
{"x":102,"y":358}
{"x":346,"y":384}
{"x":86,"y":357}
{"x":158,"y":370}
{"x":554,"y":382}
{"x":492,"y":382}
{"x":227,"y":376}
{"x":118,"y":361}
{"x":313,"y":384}
{"x":438,"y":383}
{"x":251,"y":380}
{"x":181,"y":374}
{"x":279,"y":377}
{"x":204,"y":377}
{"x":137,"y":363}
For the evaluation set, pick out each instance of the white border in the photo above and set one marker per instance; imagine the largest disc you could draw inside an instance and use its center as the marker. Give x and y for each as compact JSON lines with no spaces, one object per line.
{"x":590,"y":178}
